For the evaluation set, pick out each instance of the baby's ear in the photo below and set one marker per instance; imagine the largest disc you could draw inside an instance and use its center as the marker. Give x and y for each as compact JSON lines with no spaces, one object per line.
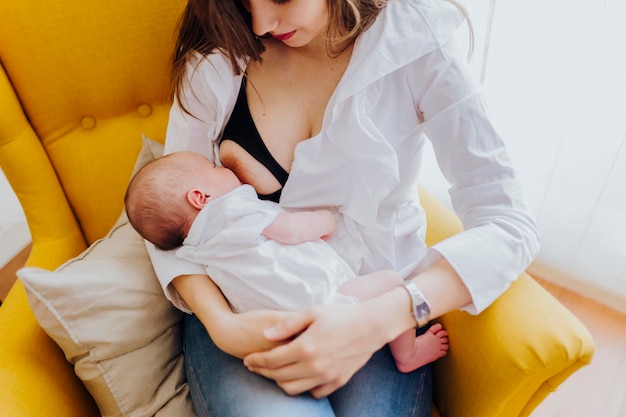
{"x":197,"y":198}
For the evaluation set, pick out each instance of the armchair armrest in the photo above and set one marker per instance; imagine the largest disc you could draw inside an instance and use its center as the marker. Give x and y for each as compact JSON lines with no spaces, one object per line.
{"x":55,"y":232}
{"x":36,"y":379}
{"x":506,"y":360}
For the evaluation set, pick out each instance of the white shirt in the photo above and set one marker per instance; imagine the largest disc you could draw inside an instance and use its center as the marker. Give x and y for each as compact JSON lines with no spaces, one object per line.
{"x":405,"y":84}
{"x":255,"y":272}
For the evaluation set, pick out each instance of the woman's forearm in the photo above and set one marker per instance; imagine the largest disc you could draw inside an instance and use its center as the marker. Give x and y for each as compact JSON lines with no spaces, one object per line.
{"x":204,"y":298}
{"x":443,"y":288}
{"x":235,"y":334}
{"x":390,"y":313}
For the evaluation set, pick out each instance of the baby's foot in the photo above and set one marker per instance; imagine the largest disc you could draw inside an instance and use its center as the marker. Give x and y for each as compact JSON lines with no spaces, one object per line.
{"x":430,"y":346}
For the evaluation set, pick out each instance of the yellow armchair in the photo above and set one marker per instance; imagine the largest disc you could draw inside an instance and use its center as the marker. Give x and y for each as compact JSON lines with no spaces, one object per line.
{"x":80,"y":82}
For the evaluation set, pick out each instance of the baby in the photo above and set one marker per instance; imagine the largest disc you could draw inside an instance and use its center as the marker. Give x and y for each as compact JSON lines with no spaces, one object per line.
{"x":259,"y":255}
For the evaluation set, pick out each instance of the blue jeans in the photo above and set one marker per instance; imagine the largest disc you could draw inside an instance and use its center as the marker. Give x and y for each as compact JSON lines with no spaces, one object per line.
{"x":221,"y":386}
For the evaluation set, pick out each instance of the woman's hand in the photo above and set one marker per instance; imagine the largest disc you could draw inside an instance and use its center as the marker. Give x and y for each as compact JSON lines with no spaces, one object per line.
{"x":331,"y":343}
{"x":242,"y":334}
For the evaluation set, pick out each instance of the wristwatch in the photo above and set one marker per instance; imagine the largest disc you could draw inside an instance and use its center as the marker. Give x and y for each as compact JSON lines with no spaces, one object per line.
{"x":420,"y":310}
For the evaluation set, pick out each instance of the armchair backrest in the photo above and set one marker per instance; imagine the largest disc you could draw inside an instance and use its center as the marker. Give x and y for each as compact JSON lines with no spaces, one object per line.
{"x":80,"y":82}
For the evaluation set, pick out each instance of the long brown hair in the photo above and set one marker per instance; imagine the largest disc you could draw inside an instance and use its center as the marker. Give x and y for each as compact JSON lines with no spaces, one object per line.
{"x":207,"y":26}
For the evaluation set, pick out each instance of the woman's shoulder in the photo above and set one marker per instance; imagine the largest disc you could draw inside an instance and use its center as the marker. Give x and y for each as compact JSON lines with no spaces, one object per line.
{"x":403,"y":32}
{"x":214,"y":64}
{"x":211,"y":84}
{"x":422,"y":19}
{"x":411,"y":28}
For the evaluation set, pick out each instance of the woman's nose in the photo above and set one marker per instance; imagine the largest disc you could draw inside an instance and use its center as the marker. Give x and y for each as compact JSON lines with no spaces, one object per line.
{"x":264,"y":18}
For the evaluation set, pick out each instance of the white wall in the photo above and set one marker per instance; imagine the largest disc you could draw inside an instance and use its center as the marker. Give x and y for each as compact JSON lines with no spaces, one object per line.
{"x":554,"y":76}
{"x":14,"y":234}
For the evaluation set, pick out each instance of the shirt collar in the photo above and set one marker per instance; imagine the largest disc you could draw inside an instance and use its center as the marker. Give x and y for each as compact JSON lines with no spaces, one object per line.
{"x":405,"y":31}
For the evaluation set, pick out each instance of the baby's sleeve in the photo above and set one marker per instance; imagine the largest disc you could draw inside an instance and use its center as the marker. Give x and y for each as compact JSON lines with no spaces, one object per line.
{"x":168,"y":266}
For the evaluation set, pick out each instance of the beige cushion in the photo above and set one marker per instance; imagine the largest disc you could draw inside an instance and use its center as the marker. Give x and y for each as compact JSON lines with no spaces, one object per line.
{"x":107,"y":312}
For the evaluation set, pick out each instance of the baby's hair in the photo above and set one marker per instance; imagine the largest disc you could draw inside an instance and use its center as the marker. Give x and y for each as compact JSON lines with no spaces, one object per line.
{"x":155,"y":201}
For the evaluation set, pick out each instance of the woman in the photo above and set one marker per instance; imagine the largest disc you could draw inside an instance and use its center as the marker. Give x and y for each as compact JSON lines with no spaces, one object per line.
{"x":339,"y":96}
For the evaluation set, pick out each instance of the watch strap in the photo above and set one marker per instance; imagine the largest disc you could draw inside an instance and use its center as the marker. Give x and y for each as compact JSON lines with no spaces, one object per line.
{"x":420,"y":309}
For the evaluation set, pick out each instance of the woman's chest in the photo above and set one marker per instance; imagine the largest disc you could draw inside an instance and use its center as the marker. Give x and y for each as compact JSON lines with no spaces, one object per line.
{"x":286,"y":105}
{"x":288,"y":101}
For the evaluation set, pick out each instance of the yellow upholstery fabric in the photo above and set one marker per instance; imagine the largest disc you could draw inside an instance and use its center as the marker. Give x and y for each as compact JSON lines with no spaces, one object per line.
{"x":509,"y":358}
{"x":80,"y":82}
{"x":90,"y":76}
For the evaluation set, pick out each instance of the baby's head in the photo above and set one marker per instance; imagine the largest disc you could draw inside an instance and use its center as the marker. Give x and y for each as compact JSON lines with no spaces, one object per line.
{"x":165,"y":196}
{"x":155,"y":201}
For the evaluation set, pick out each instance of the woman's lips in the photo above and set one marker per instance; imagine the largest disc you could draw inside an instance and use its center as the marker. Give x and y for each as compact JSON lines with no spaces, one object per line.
{"x":284,"y":36}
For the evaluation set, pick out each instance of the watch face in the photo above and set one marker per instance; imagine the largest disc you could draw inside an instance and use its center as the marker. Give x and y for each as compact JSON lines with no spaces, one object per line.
{"x":421,"y":309}
{"x":422,"y":313}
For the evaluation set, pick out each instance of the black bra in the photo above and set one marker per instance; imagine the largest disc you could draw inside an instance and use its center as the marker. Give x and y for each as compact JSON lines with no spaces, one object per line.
{"x":242,"y":130}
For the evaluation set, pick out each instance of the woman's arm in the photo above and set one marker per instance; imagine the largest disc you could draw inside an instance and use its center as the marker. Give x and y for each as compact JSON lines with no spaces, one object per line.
{"x":194,"y":292}
{"x":235,"y":334}
{"x":500,"y":237}
{"x":320,"y":361}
